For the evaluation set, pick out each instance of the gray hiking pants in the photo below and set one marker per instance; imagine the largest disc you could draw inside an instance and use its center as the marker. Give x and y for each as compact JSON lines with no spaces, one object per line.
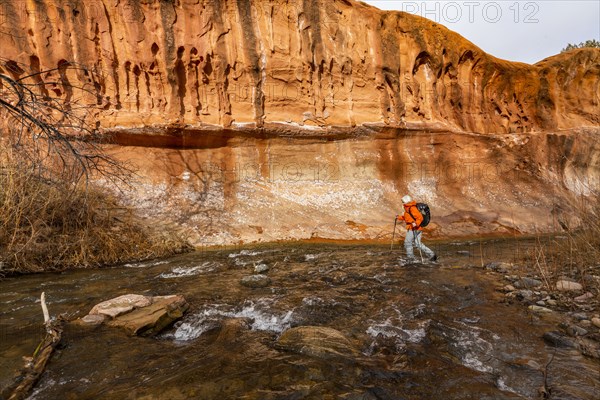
{"x":413,"y":238}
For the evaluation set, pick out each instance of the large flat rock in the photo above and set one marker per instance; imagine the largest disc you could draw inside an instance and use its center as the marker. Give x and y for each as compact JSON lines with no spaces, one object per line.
{"x":152,"y":319}
{"x":137,"y":314}
{"x":120,"y":305}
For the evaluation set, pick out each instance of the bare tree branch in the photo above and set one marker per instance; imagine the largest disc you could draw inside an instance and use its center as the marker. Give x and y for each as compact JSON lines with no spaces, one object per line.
{"x":55,"y":135}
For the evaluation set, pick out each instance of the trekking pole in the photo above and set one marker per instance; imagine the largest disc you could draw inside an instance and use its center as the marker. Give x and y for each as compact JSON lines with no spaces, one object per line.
{"x":393,"y":234}
{"x":419,"y":246}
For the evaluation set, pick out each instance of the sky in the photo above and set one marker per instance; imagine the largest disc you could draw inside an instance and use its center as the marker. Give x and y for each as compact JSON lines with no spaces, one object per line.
{"x":515,"y":30}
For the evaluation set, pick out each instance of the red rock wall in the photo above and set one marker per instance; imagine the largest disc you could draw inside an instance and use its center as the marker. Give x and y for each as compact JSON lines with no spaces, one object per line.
{"x":287,"y":189}
{"x":288,"y":65}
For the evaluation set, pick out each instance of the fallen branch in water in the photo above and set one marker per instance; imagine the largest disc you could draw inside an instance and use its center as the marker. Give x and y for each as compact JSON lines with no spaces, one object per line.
{"x":45,"y":308}
{"x":545,"y":391}
{"x":35,"y":366}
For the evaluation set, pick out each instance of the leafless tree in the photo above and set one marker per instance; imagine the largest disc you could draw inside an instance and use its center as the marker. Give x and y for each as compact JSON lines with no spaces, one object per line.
{"x":48,"y":118}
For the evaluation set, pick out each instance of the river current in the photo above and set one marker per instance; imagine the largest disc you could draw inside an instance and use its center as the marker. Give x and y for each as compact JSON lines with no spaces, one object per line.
{"x":423,"y":331}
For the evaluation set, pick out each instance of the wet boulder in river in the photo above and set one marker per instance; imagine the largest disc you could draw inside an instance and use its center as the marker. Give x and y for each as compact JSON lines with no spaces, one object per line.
{"x":261,"y":268}
{"x":138,"y":315}
{"x":152,"y":319}
{"x":256,"y":281}
{"x":316,"y":341}
{"x":586,"y":346}
{"x":557,"y":339}
{"x":232,"y":328}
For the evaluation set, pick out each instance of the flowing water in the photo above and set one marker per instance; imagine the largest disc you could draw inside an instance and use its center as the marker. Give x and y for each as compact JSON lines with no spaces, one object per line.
{"x":423,"y":331}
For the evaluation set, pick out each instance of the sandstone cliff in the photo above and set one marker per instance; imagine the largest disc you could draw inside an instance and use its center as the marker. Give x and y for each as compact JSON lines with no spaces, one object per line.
{"x":291,"y":119}
{"x":290,"y":64}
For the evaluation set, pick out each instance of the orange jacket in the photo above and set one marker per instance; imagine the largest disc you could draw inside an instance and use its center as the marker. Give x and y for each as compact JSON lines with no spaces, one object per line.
{"x":408,"y":218}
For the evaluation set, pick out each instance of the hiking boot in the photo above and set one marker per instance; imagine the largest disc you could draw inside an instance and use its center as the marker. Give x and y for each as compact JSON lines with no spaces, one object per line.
{"x":433,"y":258}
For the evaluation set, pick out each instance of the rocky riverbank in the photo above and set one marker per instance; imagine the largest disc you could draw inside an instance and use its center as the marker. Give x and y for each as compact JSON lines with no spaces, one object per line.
{"x":573,"y":307}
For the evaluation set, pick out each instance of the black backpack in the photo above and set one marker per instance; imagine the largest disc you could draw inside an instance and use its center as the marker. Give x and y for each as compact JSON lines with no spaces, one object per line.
{"x":424,"y":210}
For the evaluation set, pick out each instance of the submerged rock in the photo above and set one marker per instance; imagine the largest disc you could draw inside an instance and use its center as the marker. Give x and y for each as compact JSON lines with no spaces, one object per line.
{"x":232,"y":328}
{"x":557,"y":339}
{"x":261,"y":268}
{"x":137,"y":314}
{"x":584,"y":345}
{"x":256,"y":281}
{"x":588,"y":347}
{"x":316,"y":341}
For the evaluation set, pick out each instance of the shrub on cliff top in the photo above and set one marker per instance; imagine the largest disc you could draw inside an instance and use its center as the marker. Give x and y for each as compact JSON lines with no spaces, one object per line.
{"x":587,"y":43}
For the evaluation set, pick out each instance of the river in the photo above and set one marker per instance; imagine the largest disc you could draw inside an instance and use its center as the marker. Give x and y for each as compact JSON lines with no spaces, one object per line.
{"x":424,"y":331}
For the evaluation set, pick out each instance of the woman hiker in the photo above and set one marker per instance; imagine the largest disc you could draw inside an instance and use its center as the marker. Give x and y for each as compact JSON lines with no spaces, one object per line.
{"x":413,"y":218}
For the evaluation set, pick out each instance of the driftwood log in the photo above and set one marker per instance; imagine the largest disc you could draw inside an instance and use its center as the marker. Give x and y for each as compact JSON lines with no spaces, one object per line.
{"x":35,"y":366}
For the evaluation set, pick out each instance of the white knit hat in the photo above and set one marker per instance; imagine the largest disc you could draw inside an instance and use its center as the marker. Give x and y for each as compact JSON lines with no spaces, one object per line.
{"x":406,"y":199}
